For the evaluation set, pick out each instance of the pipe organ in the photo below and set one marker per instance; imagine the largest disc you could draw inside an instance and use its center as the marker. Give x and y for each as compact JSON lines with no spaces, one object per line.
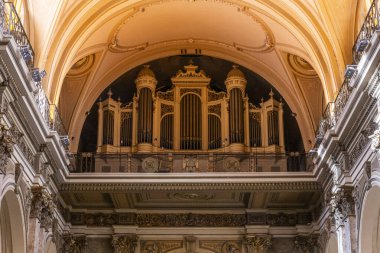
{"x":190,"y":117}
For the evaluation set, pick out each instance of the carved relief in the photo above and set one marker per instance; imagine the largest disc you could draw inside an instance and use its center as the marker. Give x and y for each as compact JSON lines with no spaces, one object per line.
{"x":257,"y":244}
{"x":342,"y":205}
{"x":6,"y":147}
{"x":166,"y":109}
{"x":74,"y":243}
{"x":124,"y":243}
{"x":189,"y":90}
{"x":216,"y":109}
{"x":221,"y":246}
{"x":231,"y":164}
{"x":306,"y":244}
{"x":150,"y":164}
{"x":160,"y":246}
{"x":168,"y":95}
{"x":214,"y":96}
{"x":190,"y":163}
{"x":42,"y":206}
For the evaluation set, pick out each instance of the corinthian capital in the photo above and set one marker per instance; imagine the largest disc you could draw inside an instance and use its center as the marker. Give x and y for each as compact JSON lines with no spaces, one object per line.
{"x":257,"y":244}
{"x":342,"y":205}
{"x":124,"y":243}
{"x":42,"y":206}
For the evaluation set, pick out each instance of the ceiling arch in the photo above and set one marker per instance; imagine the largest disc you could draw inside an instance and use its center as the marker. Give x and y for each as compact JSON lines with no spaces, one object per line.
{"x":255,"y":34}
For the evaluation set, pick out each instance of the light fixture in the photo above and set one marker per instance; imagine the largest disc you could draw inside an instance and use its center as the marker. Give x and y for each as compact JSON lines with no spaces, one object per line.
{"x":26,"y":53}
{"x":361,"y":45}
{"x":65,"y":140}
{"x":350,"y":71}
{"x":37,"y":75}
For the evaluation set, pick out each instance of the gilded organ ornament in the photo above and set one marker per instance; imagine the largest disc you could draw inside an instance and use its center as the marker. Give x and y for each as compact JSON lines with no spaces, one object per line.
{"x":190,"y":117}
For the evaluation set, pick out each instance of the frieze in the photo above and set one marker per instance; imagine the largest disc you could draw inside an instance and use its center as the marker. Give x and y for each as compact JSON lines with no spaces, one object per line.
{"x":160,"y":246}
{"x":280,"y":219}
{"x":358,"y":149}
{"x":221,"y":246}
{"x":122,"y":187}
{"x":188,"y":219}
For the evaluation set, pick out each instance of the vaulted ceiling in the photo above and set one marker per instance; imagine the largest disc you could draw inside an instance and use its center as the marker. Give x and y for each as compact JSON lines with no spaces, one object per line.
{"x":300,"y":47}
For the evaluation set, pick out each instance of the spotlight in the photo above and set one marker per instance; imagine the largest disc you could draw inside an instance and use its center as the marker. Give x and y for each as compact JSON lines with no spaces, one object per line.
{"x":26,"y":53}
{"x":350,"y":71}
{"x":361,"y":45}
{"x":65,"y":140}
{"x":36,"y":75}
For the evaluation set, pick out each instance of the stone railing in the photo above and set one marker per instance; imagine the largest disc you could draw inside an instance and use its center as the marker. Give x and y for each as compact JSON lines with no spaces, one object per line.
{"x":189,"y":162}
{"x":370,"y":25}
{"x":10,"y":24}
{"x":334,"y":109}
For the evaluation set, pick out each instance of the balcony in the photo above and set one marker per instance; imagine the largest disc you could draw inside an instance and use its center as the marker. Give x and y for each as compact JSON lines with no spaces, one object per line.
{"x":189,"y":163}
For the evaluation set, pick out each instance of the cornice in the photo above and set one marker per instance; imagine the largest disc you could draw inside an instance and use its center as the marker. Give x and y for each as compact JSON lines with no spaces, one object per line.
{"x":147,"y":186}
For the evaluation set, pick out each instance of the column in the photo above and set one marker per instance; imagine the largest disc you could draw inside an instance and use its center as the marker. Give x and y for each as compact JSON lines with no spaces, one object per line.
{"x":343,"y":211}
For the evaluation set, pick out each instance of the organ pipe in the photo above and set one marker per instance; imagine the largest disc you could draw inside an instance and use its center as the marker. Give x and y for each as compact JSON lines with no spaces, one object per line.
{"x":197,"y":109}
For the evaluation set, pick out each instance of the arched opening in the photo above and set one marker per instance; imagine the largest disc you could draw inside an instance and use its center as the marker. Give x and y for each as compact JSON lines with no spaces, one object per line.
{"x":12,"y":229}
{"x":369,"y":236}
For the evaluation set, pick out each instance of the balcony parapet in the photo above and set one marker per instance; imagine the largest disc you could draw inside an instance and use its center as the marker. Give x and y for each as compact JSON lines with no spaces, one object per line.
{"x":189,"y":162}
{"x":10,"y":25}
{"x":362,"y":52}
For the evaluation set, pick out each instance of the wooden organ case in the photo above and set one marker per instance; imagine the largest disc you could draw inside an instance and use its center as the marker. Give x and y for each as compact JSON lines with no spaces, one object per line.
{"x":190,"y":117}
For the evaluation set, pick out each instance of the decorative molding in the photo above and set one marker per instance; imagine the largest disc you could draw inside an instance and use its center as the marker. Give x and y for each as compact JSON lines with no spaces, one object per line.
{"x":279,"y":219}
{"x":7,"y":141}
{"x":74,"y":243}
{"x":215,"y":109}
{"x":221,"y":246}
{"x":215,"y":96}
{"x":188,"y":219}
{"x":268,"y":45}
{"x":168,"y":95}
{"x":189,"y":90}
{"x":306,"y":244}
{"x":160,"y":246}
{"x":122,"y":187}
{"x":165,"y":109}
{"x":190,"y":244}
{"x":42,"y":206}
{"x":257,"y":243}
{"x":124,"y":243}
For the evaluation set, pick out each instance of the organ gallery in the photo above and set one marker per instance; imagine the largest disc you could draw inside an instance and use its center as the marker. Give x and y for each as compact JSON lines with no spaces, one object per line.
{"x":190,"y":116}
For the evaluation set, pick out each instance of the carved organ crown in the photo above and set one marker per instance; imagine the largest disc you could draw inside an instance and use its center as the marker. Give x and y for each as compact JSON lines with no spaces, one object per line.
{"x":190,"y":116}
